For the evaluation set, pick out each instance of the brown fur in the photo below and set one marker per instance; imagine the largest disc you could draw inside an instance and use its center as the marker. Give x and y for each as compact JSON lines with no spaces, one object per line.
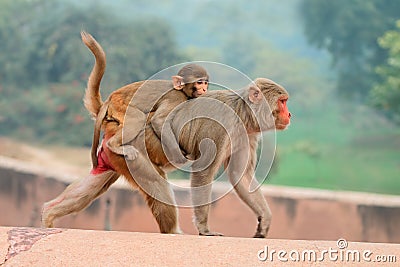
{"x":236,"y":119}
{"x":238,"y":158}
{"x":242,"y":116}
{"x":92,"y":100}
{"x":134,"y":101}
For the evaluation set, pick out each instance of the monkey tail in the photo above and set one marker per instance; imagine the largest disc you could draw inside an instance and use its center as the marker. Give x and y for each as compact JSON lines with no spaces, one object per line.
{"x":96,"y":134}
{"x":92,"y":99}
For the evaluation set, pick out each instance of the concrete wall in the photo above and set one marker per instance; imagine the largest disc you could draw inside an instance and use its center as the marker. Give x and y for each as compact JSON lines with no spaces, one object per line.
{"x":297,"y":213}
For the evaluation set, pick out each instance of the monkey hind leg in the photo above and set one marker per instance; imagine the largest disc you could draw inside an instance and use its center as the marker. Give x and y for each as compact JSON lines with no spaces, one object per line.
{"x":77,"y":196}
{"x":166,"y":215}
{"x":151,"y":181}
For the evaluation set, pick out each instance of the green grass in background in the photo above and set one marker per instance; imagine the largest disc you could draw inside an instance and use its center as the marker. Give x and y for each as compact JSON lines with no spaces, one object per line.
{"x":339,"y":148}
{"x":341,"y":168}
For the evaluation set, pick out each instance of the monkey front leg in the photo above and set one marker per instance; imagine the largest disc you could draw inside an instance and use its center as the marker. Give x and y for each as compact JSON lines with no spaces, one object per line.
{"x":241,"y":173}
{"x":201,"y":185}
{"x":133,"y":124}
{"x":256,"y":201}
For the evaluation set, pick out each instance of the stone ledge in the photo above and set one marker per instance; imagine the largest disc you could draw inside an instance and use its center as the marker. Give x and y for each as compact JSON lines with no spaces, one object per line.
{"x":67,"y":247}
{"x":298,"y":213}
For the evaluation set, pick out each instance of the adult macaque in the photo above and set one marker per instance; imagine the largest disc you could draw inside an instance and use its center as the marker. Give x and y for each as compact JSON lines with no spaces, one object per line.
{"x":231,"y":120}
{"x":135,"y":101}
{"x":236,"y":119}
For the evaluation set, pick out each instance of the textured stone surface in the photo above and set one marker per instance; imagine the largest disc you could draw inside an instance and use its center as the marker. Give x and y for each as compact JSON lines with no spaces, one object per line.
{"x":23,"y":238}
{"x":98,"y":248}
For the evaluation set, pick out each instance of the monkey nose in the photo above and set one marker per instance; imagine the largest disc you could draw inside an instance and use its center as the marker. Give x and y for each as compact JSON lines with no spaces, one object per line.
{"x":290,"y":115}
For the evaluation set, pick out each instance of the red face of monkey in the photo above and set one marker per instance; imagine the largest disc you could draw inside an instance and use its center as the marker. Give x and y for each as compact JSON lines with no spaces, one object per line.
{"x":282,"y":114}
{"x":276,"y":97}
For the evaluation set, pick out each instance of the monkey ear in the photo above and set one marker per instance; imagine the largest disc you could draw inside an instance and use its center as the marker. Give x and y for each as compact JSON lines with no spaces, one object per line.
{"x":178,"y":83}
{"x":255,"y":94}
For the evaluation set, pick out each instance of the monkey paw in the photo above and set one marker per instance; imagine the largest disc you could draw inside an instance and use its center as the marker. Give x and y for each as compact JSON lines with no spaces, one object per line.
{"x":259,"y":235}
{"x":130,"y":152}
{"x":189,"y":157}
{"x":208,"y":233}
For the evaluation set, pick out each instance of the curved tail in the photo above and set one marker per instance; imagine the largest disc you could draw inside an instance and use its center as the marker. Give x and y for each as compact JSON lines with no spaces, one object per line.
{"x":92,"y":99}
{"x":96,"y":133}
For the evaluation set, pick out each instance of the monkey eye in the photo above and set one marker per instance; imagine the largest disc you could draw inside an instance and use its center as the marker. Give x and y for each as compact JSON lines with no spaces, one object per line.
{"x":202,"y":81}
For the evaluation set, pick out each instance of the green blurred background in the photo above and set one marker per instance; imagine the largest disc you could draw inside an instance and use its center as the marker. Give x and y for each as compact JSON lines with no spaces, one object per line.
{"x":340,"y":61}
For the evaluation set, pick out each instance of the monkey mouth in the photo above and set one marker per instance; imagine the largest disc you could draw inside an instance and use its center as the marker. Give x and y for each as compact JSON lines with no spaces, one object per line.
{"x":281,"y":126}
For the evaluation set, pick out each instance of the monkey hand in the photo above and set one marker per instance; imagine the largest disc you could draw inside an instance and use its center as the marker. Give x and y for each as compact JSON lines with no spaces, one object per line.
{"x":130,"y":152}
{"x":188,"y":156}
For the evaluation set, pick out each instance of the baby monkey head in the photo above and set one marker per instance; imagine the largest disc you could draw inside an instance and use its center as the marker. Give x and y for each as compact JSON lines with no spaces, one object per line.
{"x":192,"y":79}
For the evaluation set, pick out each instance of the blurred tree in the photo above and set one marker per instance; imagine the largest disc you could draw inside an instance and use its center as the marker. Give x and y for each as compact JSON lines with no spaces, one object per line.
{"x":348,"y":30}
{"x":240,"y":50}
{"x":14,"y":23}
{"x":44,"y":65}
{"x":45,"y":45}
{"x":386,"y":95}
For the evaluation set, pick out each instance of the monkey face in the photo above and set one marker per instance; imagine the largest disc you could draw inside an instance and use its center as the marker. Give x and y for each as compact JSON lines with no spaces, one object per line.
{"x":277,"y":98}
{"x":281,"y":113}
{"x":200,"y":87}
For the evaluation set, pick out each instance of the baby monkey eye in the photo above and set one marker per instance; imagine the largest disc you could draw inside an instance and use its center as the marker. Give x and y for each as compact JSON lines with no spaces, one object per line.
{"x":202,"y":81}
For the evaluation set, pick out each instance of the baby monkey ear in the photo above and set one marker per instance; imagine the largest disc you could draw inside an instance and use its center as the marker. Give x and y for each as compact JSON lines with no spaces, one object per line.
{"x":178,"y":83}
{"x":255,"y":95}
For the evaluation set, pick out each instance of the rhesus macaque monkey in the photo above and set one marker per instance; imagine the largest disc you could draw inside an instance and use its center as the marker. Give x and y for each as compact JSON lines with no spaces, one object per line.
{"x":249,"y":111}
{"x":236,"y":121}
{"x":135,"y":101}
